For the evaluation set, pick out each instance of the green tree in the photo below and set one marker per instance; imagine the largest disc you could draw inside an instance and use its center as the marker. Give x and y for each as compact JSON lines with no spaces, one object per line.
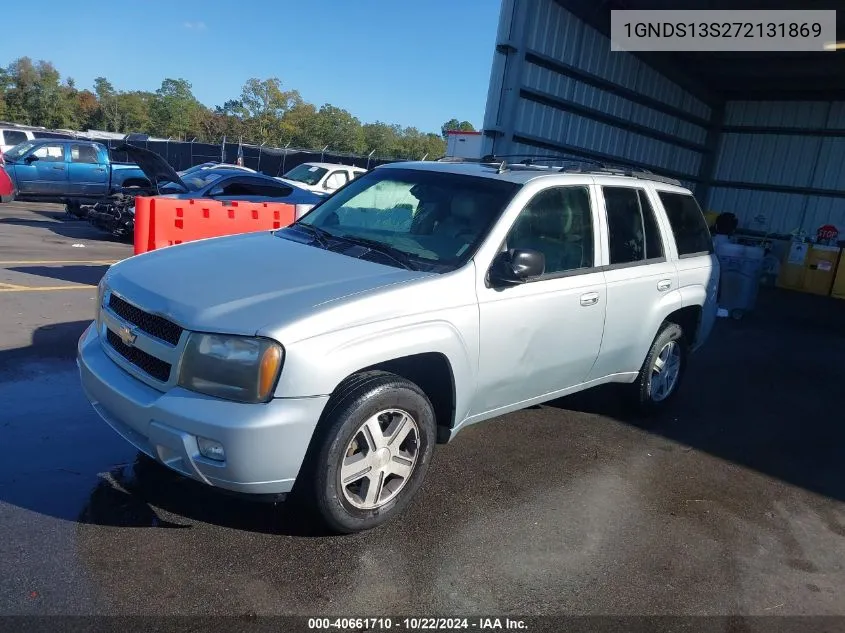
{"x":108,"y":116}
{"x":34,"y":94}
{"x":338,"y":129}
{"x":384,"y":138}
{"x":455,"y":125}
{"x":175,"y":112}
{"x":265,"y":104}
{"x":299,"y":126}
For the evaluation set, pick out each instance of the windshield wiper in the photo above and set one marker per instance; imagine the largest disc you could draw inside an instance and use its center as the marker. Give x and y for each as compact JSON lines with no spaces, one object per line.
{"x":397,"y":255}
{"x":316,"y":232}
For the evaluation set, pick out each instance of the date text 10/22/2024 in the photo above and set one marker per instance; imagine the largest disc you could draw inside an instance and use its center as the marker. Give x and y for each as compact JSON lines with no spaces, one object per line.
{"x":416,"y":624}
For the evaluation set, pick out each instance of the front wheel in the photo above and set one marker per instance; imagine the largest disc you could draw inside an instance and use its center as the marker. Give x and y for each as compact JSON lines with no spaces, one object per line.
{"x":371,"y":452}
{"x":662,"y":370}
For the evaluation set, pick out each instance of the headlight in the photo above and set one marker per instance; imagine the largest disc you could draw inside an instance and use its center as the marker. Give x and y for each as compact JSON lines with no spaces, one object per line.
{"x":239,"y":368}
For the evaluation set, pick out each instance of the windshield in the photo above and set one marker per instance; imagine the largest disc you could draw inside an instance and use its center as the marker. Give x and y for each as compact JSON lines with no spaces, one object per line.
{"x":19,"y":150}
{"x":434,"y":218}
{"x":309,"y":174}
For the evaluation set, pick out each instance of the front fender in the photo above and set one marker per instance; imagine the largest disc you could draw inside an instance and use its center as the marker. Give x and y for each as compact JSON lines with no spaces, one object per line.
{"x":316,"y":366}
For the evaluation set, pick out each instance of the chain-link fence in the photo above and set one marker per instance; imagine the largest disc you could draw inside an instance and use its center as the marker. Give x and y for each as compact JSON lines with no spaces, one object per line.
{"x":267,"y":160}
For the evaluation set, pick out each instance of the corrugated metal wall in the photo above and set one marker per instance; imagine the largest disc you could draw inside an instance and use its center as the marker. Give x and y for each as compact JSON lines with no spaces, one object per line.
{"x":780,"y":165}
{"x":556,"y":87}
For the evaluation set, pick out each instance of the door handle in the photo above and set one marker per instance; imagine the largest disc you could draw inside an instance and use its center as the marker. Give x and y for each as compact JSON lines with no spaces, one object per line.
{"x":59,"y":167}
{"x":663,"y":285}
{"x":590,"y":299}
{"x":100,"y":169}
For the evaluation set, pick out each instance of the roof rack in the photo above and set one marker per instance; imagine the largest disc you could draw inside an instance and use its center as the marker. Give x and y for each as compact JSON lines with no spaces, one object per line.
{"x":574,"y":165}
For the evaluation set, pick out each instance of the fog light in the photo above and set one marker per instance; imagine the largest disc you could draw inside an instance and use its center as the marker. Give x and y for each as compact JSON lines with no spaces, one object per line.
{"x":211,"y":449}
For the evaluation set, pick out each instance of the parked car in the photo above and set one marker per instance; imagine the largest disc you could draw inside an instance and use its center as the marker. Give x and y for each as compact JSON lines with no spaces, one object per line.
{"x":328,"y":357}
{"x":322,"y":177}
{"x":59,"y":170}
{"x":220,"y":183}
{"x":7,"y":187}
{"x":212,"y":165}
{"x":11,"y":135}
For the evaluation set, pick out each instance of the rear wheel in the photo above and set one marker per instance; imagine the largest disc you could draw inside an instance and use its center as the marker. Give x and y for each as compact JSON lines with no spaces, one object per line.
{"x":371,"y":453}
{"x":662,"y":370}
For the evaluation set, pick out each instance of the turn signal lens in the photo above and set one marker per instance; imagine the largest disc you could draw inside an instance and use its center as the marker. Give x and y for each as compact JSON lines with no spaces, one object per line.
{"x":271,"y":361}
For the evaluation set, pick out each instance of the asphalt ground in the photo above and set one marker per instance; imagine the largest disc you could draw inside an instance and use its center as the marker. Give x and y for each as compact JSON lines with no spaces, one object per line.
{"x":729,"y":504}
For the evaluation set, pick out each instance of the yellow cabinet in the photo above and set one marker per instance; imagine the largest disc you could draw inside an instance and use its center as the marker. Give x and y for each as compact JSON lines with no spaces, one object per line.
{"x":820,"y":269}
{"x":839,"y":282}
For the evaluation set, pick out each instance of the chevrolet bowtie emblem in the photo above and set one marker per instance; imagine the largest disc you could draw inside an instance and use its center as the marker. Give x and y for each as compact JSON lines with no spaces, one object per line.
{"x":127,"y":335}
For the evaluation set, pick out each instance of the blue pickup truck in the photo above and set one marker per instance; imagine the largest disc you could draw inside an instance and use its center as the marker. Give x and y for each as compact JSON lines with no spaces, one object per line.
{"x":68,"y":171}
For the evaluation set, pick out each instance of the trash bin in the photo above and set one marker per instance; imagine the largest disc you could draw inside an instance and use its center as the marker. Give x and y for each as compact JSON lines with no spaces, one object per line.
{"x":741,"y":270}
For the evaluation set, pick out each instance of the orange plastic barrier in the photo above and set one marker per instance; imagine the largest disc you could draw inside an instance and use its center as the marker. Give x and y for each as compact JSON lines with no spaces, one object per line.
{"x":161,"y":222}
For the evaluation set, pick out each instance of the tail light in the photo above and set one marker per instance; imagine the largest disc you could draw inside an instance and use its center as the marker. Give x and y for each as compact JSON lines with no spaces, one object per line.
{"x":302,"y":209}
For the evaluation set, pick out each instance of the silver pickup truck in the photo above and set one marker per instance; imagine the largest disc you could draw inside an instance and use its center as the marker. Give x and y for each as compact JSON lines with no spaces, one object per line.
{"x":329,"y":357}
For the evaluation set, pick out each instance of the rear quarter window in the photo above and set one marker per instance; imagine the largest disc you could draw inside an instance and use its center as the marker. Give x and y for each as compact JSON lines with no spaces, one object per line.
{"x":692,"y":236}
{"x":13,"y":137}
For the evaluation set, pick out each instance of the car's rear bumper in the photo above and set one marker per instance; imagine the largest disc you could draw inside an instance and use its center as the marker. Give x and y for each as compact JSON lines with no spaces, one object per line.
{"x":264,"y":443}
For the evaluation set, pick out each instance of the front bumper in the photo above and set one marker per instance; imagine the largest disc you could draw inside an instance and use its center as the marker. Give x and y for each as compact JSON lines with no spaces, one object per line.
{"x":264,"y":443}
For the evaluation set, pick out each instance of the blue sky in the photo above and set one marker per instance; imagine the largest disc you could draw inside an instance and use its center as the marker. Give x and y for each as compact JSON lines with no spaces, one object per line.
{"x":412,"y":62}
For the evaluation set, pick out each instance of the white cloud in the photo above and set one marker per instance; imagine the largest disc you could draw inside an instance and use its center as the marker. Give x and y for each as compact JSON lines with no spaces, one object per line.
{"x":195,"y":26}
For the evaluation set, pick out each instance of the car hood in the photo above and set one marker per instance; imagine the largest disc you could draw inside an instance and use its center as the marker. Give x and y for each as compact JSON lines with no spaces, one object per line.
{"x":153,"y":165}
{"x":241,"y":284}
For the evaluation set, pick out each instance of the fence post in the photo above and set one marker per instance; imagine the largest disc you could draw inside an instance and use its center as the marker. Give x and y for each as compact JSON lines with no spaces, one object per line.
{"x":284,"y":158}
{"x":368,"y":158}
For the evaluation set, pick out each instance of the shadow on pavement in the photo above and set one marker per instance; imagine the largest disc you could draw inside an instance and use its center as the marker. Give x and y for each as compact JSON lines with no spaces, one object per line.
{"x":126,"y":496}
{"x":765,"y":393}
{"x":78,"y":274}
{"x":66,"y":458}
{"x":79,"y":229}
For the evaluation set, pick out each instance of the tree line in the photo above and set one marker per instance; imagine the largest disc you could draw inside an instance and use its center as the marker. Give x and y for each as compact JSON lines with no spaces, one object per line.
{"x":33,"y":93}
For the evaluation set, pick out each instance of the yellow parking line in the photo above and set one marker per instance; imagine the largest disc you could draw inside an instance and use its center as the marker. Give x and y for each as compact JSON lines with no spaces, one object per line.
{"x":30,"y":262}
{"x":5,"y":285}
{"x":45,"y":288}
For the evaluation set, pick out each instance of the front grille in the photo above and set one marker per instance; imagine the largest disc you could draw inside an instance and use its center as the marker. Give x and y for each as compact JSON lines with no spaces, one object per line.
{"x":153,"y":325}
{"x":155,"y":367}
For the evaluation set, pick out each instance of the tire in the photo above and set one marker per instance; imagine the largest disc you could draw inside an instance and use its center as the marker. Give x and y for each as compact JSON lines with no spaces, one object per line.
{"x":646,"y":394}
{"x":342,"y":437}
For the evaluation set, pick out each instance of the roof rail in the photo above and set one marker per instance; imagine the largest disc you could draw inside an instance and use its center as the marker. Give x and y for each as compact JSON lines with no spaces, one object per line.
{"x":489,"y":159}
{"x":573,"y":164}
{"x":642,"y":174}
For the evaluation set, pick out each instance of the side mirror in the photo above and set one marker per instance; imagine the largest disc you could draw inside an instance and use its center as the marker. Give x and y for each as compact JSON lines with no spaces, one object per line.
{"x":516,"y":266}
{"x":30,"y":159}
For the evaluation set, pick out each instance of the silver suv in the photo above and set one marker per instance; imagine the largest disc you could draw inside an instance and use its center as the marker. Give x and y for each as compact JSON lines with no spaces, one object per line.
{"x":327,"y":358}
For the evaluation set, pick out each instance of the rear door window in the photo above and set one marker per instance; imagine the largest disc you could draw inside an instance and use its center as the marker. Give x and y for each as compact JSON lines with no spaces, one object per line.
{"x":13,"y":137}
{"x":83,"y":154}
{"x":692,"y":236}
{"x":633,"y":235}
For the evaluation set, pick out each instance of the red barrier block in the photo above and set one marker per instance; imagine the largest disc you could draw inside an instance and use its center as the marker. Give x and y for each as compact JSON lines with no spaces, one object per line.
{"x":161,"y":222}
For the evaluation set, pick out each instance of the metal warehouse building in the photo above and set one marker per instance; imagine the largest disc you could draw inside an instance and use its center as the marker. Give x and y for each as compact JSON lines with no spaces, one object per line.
{"x":761,"y":135}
